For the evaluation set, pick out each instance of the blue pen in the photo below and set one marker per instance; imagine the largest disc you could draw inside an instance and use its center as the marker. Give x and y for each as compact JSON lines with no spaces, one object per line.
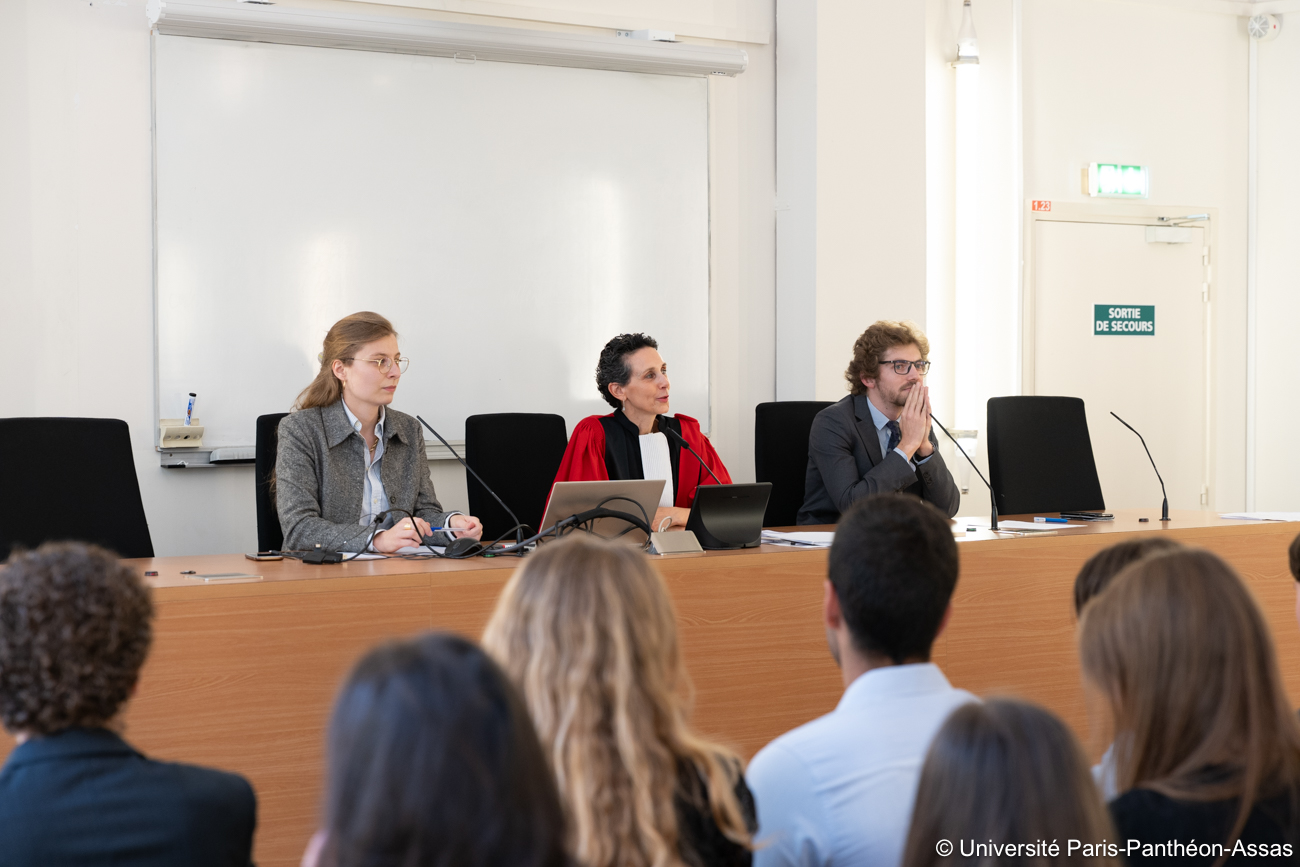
{"x":1052,"y":520}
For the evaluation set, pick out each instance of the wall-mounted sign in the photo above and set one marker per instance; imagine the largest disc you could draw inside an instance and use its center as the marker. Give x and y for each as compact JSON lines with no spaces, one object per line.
{"x":1133,"y":320}
{"x":1112,"y":180}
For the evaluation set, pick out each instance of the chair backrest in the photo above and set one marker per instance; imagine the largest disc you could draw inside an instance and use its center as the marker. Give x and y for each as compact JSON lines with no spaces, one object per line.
{"x":1040,"y":455}
{"x":83,"y":488}
{"x":781,"y":454}
{"x":269,"y":535}
{"x":518,"y":454}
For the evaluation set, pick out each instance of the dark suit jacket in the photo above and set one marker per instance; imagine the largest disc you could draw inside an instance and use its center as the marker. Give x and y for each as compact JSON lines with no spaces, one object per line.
{"x":85,"y":797}
{"x":845,"y":465}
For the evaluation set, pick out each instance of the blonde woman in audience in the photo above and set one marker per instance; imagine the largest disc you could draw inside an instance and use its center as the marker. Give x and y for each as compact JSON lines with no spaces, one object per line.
{"x":1007,"y":772}
{"x":586,"y":630}
{"x":1207,"y":748}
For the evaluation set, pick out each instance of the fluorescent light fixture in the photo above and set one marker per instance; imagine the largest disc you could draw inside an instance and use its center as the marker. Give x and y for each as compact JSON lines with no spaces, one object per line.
{"x":1116,"y":181}
{"x":249,"y":22}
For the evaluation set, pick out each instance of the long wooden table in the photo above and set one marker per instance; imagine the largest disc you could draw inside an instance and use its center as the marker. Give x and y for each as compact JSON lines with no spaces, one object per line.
{"x":242,"y":676}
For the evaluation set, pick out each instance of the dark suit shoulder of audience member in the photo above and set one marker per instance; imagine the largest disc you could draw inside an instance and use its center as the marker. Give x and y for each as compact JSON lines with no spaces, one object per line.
{"x":587,"y":630}
{"x":1142,"y":814}
{"x":432,"y":760}
{"x":1006,"y":772}
{"x":84,"y":794}
{"x":1207,"y":746}
{"x":73,"y":792}
{"x":702,"y":843}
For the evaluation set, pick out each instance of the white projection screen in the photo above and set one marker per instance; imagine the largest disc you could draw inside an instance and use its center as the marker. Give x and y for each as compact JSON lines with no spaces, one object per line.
{"x":509,"y":219}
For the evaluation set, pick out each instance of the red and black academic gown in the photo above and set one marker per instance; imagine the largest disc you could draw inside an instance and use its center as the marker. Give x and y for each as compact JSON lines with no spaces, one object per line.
{"x":605,"y":447}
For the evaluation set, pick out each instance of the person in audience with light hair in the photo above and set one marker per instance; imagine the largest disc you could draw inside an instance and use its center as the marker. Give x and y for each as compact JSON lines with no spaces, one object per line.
{"x":1007,"y":771}
{"x":433,"y":761}
{"x":1207,"y":747}
{"x":76,"y":624}
{"x":1093,"y":578}
{"x":586,"y":630}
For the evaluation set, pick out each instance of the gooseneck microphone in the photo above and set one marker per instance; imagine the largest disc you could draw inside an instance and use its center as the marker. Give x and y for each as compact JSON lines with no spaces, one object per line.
{"x":519,"y":528}
{"x":681,"y":439}
{"x":993,"y":500}
{"x":1164,"y":508}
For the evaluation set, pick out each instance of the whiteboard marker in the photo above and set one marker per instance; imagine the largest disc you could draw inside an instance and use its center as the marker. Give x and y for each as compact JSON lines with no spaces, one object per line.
{"x":189,"y":410}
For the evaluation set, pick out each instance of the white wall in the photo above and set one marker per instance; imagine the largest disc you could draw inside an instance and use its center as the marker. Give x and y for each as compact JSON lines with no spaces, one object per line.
{"x":1278,"y":282}
{"x":1164,"y":88}
{"x":852,"y":187}
{"x":76,"y":243}
{"x":1102,"y":80}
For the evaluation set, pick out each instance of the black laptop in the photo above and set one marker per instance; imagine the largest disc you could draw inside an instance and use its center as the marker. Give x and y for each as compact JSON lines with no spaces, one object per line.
{"x":729,"y":516}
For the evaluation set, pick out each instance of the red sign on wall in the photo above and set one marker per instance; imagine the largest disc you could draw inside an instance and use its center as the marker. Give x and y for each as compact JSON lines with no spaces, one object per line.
{"x":1042,"y":205}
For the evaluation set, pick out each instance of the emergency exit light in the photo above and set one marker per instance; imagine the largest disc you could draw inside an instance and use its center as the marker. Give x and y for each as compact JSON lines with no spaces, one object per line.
{"x":1111,"y":180}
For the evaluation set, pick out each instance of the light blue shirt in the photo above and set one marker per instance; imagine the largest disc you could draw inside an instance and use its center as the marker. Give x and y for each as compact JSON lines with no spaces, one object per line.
{"x":374,"y":500}
{"x":881,"y":420}
{"x":839,"y":790}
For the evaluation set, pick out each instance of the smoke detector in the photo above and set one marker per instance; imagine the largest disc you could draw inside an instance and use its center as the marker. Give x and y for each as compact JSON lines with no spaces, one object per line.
{"x":1264,"y":28}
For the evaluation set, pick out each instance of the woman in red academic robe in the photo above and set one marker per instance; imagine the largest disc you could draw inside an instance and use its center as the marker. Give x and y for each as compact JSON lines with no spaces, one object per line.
{"x":639,"y":440}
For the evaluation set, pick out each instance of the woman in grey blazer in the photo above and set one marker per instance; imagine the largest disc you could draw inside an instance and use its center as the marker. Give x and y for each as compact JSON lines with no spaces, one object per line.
{"x":345,"y":458}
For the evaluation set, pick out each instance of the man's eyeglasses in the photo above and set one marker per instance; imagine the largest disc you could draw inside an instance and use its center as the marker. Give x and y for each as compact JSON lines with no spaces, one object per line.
{"x":385,"y":364}
{"x":902,"y":367}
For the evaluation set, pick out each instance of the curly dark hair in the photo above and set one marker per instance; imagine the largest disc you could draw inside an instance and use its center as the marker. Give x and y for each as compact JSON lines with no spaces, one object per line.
{"x":613,"y":366}
{"x":75,"y":628}
{"x":873,"y":342}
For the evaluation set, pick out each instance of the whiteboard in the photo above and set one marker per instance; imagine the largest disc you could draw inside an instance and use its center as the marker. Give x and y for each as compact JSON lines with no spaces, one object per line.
{"x":508,"y":218}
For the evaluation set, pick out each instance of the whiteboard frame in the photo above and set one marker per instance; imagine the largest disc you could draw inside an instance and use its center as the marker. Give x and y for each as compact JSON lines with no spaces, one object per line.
{"x":435,"y":451}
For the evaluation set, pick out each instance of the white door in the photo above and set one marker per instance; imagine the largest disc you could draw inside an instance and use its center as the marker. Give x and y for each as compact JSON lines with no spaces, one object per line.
{"x":1151,"y":373}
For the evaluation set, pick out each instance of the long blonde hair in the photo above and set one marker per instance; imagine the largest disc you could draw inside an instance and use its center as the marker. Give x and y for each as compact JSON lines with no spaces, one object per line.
{"x":1185,"y":660}
{"x":587,"y":631}
{"x":342,"y":342}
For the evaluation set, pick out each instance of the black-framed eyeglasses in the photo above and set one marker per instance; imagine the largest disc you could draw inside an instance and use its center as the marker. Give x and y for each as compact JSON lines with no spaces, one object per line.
{"x":902,"y":367}
{"x":384,"y":364}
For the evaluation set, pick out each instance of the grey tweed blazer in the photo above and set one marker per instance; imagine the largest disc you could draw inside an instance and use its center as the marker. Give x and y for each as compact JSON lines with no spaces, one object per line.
{"x":319,"y":478}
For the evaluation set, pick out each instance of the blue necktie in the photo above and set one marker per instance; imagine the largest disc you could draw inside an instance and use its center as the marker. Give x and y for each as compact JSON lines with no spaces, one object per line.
{"x":895,"y":435}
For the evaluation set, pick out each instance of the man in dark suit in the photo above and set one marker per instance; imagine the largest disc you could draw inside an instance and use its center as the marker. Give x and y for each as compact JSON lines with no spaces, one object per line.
{"x":75,"y":628}
{"x":878,"y":438}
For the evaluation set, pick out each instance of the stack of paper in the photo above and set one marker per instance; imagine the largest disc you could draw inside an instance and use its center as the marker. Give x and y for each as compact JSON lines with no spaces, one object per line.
{"x":802,"y":540}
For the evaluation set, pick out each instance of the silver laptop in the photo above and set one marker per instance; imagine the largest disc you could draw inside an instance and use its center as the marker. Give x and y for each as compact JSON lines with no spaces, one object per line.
{"x":635,"y":496}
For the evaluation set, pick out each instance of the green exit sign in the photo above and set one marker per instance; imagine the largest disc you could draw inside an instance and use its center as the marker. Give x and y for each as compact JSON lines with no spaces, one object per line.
{"x":1132,"y":320}
{"x":1116,"y":181}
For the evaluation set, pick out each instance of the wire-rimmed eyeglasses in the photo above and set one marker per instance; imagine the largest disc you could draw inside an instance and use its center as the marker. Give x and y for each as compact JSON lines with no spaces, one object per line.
{"x":384,"y":364}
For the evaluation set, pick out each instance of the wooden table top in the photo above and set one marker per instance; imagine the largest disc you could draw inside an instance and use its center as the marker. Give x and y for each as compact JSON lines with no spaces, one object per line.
{"x":293,"y":576}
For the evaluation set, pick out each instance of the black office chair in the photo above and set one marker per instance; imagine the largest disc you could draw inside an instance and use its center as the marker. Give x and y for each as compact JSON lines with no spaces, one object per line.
{"x":518,"y":455}
{"x":781,"y":454}
{"x":1040,"y":456}
{"x":269,"y":535}
{"x":82,"y":487}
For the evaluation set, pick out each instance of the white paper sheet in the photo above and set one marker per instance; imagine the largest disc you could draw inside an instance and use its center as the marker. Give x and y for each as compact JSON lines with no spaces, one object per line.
{"x":1262,"y":516}
{"x":803,"y":540}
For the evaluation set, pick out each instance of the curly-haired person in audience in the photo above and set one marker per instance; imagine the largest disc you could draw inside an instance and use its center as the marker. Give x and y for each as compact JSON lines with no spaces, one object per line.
{"x":1294,"y":562}
{"x":1002,"y":772}
{"x":1207,"y":747}
{"x":74,"y":631}
{"x":587,"y":631}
